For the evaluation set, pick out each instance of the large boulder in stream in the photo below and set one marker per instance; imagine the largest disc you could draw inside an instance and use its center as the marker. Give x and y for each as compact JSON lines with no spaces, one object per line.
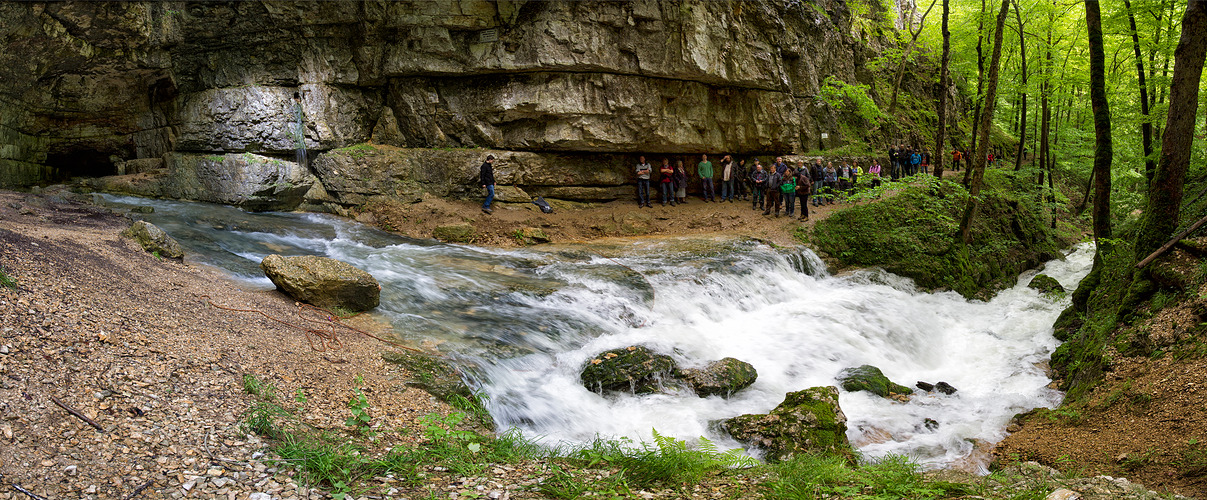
{"x":871,"y":379}
{"x":154,"y":240}
{"x":634,"y":369}
{"x":719,"y":378}
{"x":808,"y":421}
{"x":326,"y":283}
{"x":1046,"y":285}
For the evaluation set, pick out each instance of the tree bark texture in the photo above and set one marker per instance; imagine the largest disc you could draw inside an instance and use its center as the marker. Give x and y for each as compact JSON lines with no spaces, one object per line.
{"x":1022,"y":48}
{"x":1103,"y":152}
{"x":1160,"y":219}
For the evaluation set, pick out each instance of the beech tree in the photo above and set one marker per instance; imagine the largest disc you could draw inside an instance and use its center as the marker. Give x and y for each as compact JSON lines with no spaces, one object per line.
{"x":1161,"y":217}
{"x":1103,"y":152}
{"x":986,"y":121}
{"x":941,"y":107}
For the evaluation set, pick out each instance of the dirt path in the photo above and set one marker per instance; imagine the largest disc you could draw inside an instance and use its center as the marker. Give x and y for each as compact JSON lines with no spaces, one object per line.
{"x":573,"y":222}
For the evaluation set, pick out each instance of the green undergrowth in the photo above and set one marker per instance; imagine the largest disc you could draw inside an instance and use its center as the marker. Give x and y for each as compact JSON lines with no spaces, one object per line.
{"x":347,"y":462}
{"x":912,"y":233}
{"x":7,"y":281}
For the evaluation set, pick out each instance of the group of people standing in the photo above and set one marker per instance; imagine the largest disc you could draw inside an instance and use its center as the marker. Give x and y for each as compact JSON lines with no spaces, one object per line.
{"x":768,"y":189}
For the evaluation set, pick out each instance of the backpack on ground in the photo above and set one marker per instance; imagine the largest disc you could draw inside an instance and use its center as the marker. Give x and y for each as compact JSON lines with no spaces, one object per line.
{"x":545,"y":207}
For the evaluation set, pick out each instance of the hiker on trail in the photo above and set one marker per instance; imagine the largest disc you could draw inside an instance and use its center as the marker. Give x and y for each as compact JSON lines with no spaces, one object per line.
{"x":643,"y":182}
{"x":856,"y":172}
{"x":804,"y":188}
{"x":874,"y":171}
{"x":486,"y":177}
{"x":914,"y":160}
{"x":818,"y":176}
{"x":780,"y":166}
{"x":830,"y":182}
{"x":666,"y":184}
{"x":728,"y":179}
{"x":704,"y":170}
{"x":774,"y":179}
{"x":758,"y":186}
{"x":680,"y":178}
{"x":955,"y":160}
{"x":788,"y":192}
{"x":925,"y":162}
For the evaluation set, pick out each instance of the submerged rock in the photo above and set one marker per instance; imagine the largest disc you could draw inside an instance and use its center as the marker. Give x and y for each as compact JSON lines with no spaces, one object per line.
{"x":926,"y":386}
{"x":1046,"y":284}
{"x":945,"y":388}
{"x":807,"y":421}
{"x":871,"y":379}
{"x":154,"y":240}
{"x":326,"y":283}
{"x":720,"y":378}
{"x":634,"y":369}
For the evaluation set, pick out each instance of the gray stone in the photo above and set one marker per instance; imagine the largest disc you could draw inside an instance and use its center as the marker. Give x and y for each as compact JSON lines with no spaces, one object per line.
{"x":154,"y":240}
{"x":719,"y":378}
{"x":1046,"y":285}
{"x":246,"y":180}
{"x":323,"y":282}
{"x":808,"y":421}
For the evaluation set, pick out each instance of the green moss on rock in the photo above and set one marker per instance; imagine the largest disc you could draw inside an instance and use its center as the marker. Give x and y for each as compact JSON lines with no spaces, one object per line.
{"x":871,"y":379}
{"x":634,"y":369}
{"x":1046,"y":285}
{"x":808,"y":421}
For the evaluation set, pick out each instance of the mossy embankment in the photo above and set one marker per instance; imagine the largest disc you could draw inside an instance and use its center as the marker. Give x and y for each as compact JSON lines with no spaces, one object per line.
{"x":911,"y":231}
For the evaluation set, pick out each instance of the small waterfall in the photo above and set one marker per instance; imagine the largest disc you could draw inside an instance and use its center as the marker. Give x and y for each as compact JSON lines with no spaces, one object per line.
{"x":299,"y":130}
{"x":523,"y":324}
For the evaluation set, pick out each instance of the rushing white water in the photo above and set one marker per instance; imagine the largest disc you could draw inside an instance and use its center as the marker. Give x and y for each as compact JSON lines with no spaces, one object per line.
{"x":524,"y":323}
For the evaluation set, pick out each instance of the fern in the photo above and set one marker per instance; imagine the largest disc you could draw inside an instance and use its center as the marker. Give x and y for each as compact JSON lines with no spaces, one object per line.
{"x":671,"y":461}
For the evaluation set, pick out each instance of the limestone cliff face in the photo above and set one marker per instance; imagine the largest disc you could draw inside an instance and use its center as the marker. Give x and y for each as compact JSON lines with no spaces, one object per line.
{"x":86,"y":86}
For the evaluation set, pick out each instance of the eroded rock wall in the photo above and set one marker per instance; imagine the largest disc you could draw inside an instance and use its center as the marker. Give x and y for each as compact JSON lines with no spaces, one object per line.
{"x":86,"y":86}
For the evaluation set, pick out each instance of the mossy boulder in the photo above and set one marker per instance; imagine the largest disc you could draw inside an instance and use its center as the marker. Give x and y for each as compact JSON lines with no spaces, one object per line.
{"x":1046,"y":285}
{"x":154,"y":240}
{"x":532,"y":236}
{"x":323,"y":282}
{"x":871,"y":379}
{"x":808,"y":421}
{"x":634,"y":369}
{"x":456,"y":233}
{"x":719,"y":378}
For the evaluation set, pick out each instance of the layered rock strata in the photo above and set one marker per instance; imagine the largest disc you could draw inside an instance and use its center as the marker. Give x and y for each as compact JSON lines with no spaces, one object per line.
{"x":87,"y":87}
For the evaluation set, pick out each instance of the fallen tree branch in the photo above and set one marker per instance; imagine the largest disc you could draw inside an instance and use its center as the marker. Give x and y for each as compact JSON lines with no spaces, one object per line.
{"x":76,"y":413}
{"x":1170,"y":243}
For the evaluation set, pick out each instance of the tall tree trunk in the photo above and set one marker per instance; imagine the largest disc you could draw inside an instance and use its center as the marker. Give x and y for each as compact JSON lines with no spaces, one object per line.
{"x":1103,"y":153}
{"x":1022,"y":48}
{"x":942,"y":105}
{"x":980,"y":84}
{"x":1146,"y":126}
{"x":974,"y":190}
{"x":892,"y":107}
{"x":1160,"y":219}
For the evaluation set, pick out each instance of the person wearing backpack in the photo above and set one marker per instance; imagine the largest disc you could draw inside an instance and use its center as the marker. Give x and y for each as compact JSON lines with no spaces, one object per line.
{"x":804,"y":186}
{"x":486,"y":177}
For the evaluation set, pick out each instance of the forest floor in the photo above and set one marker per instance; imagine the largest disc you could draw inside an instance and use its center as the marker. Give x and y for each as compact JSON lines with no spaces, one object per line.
{"x":138,"y":345}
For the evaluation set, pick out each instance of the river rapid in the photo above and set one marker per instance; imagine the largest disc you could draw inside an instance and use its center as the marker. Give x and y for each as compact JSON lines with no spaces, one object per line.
{"x":524,"y":322}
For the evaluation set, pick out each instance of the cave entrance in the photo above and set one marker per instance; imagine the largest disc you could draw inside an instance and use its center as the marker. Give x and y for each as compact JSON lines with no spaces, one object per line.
{"x":81,"y":163}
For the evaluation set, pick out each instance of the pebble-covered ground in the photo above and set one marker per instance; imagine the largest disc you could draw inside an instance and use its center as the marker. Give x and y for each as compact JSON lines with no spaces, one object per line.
{"x":135,"y":345}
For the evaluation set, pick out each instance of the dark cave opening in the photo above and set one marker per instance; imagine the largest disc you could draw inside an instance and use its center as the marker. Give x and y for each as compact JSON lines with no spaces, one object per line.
{"x":81,"y":163}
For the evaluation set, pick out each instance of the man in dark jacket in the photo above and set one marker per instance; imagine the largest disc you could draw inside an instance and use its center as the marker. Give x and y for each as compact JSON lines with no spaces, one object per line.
{"x":486,"y":177}
{"x":774,"y":179}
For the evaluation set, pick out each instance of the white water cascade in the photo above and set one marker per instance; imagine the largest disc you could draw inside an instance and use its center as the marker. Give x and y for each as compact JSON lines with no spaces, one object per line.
{"x":524,"y":323}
